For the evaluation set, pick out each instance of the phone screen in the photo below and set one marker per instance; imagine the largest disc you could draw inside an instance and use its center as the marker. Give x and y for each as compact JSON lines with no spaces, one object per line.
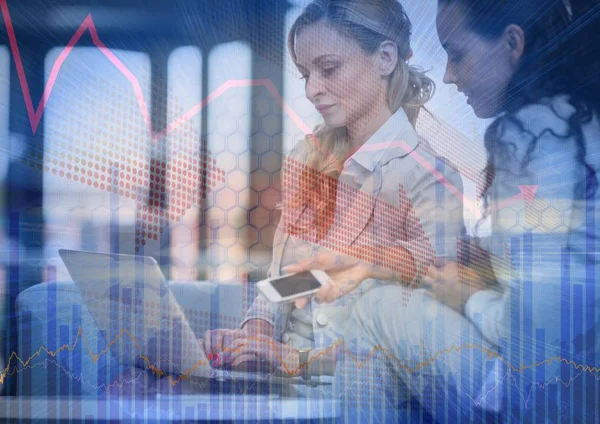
{"x":295,"y":284}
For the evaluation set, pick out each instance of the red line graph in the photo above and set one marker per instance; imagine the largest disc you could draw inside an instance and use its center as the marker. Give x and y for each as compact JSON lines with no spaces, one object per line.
{"x":35,"y":115}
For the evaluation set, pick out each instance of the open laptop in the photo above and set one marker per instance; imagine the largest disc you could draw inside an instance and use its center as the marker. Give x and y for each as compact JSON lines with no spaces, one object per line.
{"x":129,"y":299}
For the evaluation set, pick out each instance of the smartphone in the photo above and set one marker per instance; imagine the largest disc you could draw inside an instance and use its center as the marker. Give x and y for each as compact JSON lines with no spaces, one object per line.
{"x":290,"y":287}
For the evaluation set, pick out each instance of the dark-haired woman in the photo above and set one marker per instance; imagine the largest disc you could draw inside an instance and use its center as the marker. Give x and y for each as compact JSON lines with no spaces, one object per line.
{"x":528,"y":348}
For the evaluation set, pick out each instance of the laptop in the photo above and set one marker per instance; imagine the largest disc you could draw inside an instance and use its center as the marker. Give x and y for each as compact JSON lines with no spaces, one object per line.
{"x":144,"y":326}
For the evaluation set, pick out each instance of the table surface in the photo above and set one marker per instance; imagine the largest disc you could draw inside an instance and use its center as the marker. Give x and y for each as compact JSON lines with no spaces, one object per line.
{"x":203,"y":407}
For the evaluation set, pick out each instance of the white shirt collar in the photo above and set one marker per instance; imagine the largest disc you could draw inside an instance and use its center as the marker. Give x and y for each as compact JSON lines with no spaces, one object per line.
{"x":381,"y":145}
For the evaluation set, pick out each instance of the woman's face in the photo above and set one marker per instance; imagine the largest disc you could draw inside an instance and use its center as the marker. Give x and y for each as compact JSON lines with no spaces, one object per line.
{"x":480,"y":68}
{"x":342,"y":82}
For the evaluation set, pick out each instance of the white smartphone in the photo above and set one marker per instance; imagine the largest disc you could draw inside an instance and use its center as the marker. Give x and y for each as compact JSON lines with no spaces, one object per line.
{"x":290,"y":287}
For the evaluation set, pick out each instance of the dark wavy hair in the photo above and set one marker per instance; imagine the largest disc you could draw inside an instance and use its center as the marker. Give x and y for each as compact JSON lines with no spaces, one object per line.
{"x":561,"y":56}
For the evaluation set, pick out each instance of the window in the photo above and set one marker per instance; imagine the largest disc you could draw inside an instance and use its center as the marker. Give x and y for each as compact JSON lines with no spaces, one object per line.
{"x":229,"y":143}
{"x":8,"y":153}
{"x":4,"y":108}
{"x":184,"y":93}
{"x":96,"y":138}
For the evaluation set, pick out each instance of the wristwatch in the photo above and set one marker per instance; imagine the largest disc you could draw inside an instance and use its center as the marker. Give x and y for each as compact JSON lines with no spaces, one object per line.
{"x":304,"y":365}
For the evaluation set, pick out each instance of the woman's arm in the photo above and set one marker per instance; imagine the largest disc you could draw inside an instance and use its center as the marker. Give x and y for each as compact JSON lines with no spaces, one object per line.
{"x":378,"y":262}
{"x":263,"y":353}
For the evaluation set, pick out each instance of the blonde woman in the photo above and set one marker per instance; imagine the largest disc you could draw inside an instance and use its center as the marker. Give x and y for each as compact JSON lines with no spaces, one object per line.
{"x":363,"y":187}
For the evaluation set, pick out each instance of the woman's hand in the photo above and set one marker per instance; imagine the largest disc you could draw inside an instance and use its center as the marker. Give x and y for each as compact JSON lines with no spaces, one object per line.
{"x":216,"y":341}
{"x":453,"y":284}
{"x":262,"y":353}
{"x":345,"y":274}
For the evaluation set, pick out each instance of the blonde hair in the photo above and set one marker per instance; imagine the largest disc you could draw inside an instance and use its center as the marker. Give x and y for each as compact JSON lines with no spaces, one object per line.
{"x":369,"y":22}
